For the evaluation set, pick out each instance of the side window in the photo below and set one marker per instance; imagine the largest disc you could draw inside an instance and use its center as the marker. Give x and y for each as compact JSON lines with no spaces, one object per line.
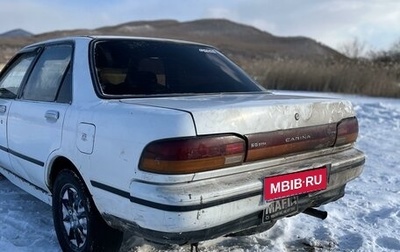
{"x":48,"y":74}
{"x":65,"y":93}
{"x":14,"y":75}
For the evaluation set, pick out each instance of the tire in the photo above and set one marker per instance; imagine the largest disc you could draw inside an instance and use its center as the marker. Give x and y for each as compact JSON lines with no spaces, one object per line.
{"x":78,"y":224}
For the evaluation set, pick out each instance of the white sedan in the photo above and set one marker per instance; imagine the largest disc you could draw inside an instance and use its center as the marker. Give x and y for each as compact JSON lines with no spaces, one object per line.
{"x":165,"y":138}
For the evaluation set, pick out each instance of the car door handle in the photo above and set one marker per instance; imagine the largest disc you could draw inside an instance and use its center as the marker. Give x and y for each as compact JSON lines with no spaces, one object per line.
{"x":52,"y":115}
{"x":3,"y":109}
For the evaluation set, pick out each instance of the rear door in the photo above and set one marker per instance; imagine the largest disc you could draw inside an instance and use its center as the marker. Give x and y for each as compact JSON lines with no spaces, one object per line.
{"x":36,"y":119}
{"x":10,"y":83}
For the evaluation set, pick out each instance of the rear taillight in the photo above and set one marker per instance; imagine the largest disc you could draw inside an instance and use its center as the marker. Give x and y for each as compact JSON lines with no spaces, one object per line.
{"x":189,"y":155}
{"x":347,"y":131}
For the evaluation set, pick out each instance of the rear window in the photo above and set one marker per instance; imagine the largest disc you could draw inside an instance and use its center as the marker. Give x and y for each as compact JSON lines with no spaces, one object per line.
{"x":134,"y":67}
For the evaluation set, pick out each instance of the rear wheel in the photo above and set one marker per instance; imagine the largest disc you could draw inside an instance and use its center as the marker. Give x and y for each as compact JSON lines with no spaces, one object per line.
{"x":77,"y":222}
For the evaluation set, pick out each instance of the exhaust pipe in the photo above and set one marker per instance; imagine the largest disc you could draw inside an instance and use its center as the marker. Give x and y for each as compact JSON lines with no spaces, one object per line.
{"x":316,"y":213}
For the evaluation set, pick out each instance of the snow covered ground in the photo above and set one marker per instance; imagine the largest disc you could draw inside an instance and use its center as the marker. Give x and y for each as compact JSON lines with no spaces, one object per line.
{"x":366,"y":219}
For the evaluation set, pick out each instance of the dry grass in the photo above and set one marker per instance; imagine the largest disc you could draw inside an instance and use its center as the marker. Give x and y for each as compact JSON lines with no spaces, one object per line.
{"x":355,"y":77}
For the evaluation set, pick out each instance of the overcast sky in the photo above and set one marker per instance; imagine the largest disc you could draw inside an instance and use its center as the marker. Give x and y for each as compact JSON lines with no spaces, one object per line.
{"x":332,"y":22}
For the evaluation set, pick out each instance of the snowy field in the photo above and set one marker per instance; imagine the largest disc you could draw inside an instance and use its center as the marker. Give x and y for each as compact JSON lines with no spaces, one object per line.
{"x":366,"y":219}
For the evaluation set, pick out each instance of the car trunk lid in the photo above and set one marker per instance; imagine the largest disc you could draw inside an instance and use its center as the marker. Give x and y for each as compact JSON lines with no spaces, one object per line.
{"x":253,"y":113}
{"x":272,"y":125}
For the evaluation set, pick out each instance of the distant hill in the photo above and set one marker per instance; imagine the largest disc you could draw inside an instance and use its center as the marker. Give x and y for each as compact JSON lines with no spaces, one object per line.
{"x":17,"y":33}
{"x":236,"y":40}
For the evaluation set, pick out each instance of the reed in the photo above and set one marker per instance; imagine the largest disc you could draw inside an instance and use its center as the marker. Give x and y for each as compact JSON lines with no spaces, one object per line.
{"x":350,"y":76}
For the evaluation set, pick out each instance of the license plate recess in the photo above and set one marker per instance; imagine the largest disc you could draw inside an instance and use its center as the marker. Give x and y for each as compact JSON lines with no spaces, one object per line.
{"x":280,"y":208}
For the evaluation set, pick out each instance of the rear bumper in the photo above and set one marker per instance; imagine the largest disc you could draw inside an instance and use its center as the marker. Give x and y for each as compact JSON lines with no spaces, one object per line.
{"x":206,"y":209}
{"x":250,"y":221}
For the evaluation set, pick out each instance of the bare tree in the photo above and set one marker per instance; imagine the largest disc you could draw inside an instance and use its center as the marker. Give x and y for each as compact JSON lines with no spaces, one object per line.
{"x":395,"y":47}
{"x":395,"y":51}
{"x":389,"y":56}
{"x":353,"y":49}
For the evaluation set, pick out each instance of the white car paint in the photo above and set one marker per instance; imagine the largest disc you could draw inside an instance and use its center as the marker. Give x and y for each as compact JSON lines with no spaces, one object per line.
{"x":104,"y":139}
{"x":250,"y":113}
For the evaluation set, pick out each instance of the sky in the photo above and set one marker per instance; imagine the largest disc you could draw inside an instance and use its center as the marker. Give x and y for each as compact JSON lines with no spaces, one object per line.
{"x":374,"y":23}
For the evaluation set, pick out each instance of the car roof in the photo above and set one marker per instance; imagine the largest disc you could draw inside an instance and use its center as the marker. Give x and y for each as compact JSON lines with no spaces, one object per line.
{"x":110,"y":37}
